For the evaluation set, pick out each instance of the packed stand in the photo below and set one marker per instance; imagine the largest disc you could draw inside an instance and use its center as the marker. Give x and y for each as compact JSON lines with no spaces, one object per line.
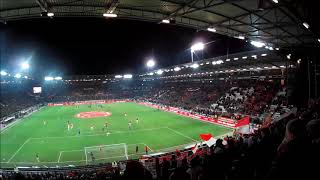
{"x":15,"y":97}
{"x":285,"y":149}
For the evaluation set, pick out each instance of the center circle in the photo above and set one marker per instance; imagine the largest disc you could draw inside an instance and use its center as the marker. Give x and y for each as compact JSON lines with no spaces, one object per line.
{"x":93,"y":114}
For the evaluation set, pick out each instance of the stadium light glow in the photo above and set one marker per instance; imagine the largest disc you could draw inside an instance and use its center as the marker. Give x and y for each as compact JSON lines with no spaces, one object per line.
{"x":151,"y":74}
{"x":159,"y":72}
{"x":17,"y":75}
{"x":58,"y":78}
{"x":127,"y":76}
{"x":118,"y":76}
{"x":110,"y":15}
{"x":277,"y":49}
{"x":306,"y":25}
{"x":48,"y":78}
{"x":151,"y":63}
{"x":211,"y":29}
{"x":263,"y":54}
{"x":166,"y":21}
{"x":3,"y":73}
{"x":275,"y":1}
{"x":195,"y":66}
{"x":26,"y":77}
{"x":289,"y":56}
{"x":177,"y":69}
{"x":50,"y":14}
{"x":25,"y":65}
{"x":319,"y":40}
{"x":197,"y":47}
{"x":299,"y":61}
{"x":257,"y":44}
{"x":240,"y":37}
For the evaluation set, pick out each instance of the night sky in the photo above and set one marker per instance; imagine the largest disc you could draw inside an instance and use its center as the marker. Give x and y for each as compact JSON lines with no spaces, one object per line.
{"x":78,"y":46}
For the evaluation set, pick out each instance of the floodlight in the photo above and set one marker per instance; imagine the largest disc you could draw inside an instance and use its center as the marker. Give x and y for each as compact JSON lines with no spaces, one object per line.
{"x":118,"y":76}
{"x":195,"y":66}
{"x":289,"y":56}
{"x":257,"y":44}
{"x":159,"y":72}
{"x":299,"y":61}
{"x":110,"y":15}
{"x":17,"y":75}
{"x":25,"y":65}
{"x":150,"y":63}
{"x":197,"y":47}
{"x":240,"y":37}
{"x":275,"y":1}
{"x":151,"y":74}
{"x":166,"y":21}
{"x":318,"y":40}
{"x":48,"y":78}
{"x":58,"y":78}
{"x":127,"y":76}
{"x":211,"y":29}
{"x":220,"y":62}
{"x":26,"y":77}
{"x":263,"y":54}
{"x":277,"y":49}
{"x":306,"y":25}
{"x":177,"y":69}
{"x":50,"y":14}
{"x":3,"y":73}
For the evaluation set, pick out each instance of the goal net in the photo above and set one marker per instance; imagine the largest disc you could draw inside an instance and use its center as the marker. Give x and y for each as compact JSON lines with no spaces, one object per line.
{"x":106,"y":153}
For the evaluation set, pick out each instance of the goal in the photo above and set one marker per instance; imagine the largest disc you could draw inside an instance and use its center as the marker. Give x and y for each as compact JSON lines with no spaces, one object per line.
{"x":106,"y":153}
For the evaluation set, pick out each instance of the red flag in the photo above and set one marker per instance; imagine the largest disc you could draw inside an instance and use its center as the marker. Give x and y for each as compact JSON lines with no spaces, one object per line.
{"x":206,"y":137}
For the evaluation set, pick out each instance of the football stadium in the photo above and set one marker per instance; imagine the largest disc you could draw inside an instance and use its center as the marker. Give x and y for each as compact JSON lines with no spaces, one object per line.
{"x":159,"y":89}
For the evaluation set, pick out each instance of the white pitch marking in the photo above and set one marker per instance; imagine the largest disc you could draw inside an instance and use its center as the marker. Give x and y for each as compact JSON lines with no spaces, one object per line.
{"x":104,"y":134}
{"x":59,"y":156}
{"x":177,"y":132}
{"x":18,"y":150}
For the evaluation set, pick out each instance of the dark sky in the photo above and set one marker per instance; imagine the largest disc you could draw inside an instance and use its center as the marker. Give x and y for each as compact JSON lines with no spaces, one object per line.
{"x":75,"y":46}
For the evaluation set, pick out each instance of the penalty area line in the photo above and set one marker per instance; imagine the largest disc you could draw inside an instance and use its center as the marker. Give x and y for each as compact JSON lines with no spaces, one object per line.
{"x":177,"y":132}
{"x":99,"y":134}
{"x":59,"y":156}
{"x":18,"y":150}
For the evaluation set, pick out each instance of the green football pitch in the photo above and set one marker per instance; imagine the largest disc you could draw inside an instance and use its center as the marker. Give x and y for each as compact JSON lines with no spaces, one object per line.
{"x":45,"y":134}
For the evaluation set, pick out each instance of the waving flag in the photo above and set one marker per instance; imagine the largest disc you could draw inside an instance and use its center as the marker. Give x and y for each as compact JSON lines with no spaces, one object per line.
{"x":195,"y":148}
{"x":208,"y":138}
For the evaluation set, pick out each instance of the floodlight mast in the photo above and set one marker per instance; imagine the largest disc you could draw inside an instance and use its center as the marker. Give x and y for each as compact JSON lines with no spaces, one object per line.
{"x":196,"y":47}
{"x":150,"y":64}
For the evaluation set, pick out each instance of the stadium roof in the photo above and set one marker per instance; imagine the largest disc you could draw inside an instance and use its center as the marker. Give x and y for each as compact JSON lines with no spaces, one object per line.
{"x":279,"y":24}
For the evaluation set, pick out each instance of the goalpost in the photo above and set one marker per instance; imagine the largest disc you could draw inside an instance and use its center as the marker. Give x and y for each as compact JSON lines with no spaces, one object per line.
{"x":106,"y":153}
